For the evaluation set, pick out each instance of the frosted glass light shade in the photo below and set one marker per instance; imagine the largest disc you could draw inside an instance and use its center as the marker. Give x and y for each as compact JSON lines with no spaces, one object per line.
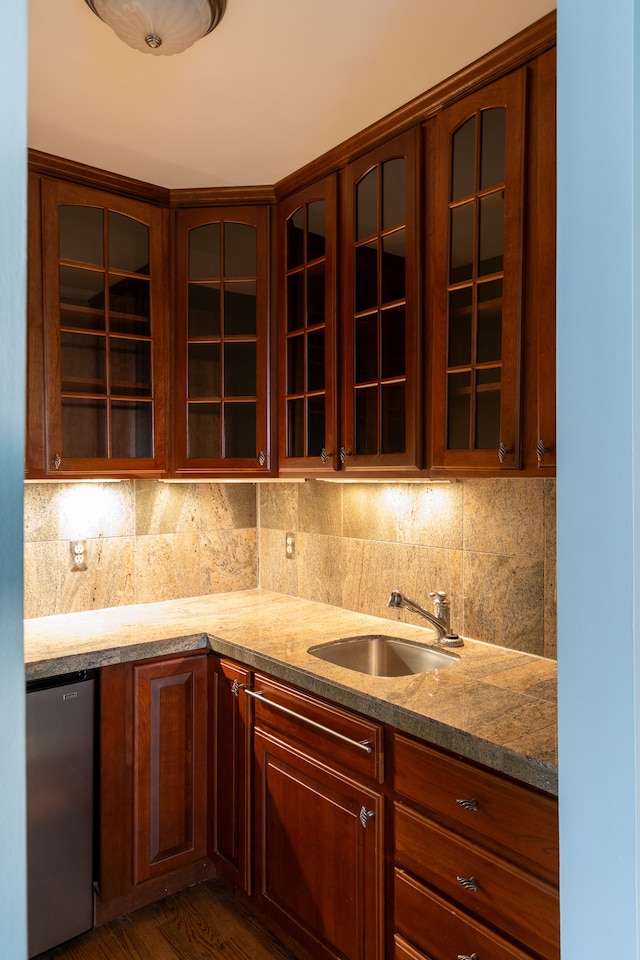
{"x":161,"y":27}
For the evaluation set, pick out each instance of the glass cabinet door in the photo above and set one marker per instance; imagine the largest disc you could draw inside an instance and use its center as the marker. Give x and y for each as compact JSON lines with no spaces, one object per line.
{"x":307,"y":299}
{"x":381,"y":343}
{"x":477,"y":281}
{"x":221,"y":340}
{"x":103,"y":332}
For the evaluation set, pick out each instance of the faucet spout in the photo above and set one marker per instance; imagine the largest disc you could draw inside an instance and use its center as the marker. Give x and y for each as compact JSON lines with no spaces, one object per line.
{"x":439,"y":621}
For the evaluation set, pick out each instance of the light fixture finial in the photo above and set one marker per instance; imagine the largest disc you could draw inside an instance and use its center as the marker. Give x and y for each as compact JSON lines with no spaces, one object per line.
{"x":161,"y":27}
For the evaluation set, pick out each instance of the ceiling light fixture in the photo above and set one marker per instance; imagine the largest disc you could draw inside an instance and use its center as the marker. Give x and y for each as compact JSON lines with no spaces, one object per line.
{"x":160,"y":27}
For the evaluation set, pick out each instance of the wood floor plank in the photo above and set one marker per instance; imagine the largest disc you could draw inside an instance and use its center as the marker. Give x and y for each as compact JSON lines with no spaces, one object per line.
{"x":205,"y":922}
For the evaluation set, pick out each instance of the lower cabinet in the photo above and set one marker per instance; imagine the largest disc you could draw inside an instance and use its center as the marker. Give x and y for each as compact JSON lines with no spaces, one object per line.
{"x":230,"y":771}
{"x":153,"y":781}
{"x":319,"y":825}
{"x":207,"y":767}
{"x":475,"y":860}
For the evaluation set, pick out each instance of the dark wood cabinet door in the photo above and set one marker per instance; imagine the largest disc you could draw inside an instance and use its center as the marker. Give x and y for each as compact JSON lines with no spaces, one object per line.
{"x":478,"y":279}
{"x":229,"y":771}
{"x":307,"y":285}
{"x":381,"y":359}
{"x":319,"y":853}
{"x":169,"y":765}
{"x":153,"y":781}
{"x":222,"y":422}
{"x":105,"y":301}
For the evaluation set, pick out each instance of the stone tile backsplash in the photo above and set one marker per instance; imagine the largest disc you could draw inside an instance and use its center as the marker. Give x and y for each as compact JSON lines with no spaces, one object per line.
{"x":489,"y":543}
{"x":146,"y":541}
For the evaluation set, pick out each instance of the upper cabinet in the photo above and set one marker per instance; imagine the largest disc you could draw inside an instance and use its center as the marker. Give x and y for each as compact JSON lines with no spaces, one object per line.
{"x":478,"y":278}
{"x":411,"y":270}
{"x":221,"y":346}
{"x":493,"y":278}
{"x":307,"y":240}
{"x":380,"y":310}
{"x":102,"y":334}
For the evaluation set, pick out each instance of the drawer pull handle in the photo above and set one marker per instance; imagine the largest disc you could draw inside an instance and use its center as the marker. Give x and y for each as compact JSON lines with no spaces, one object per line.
{"x":360,"y":744}
{"x":464,"y":956}
{"x":468,"y":804}
{"x":365,"y":816}
{"x":237,"y":687}
{"x":469,"y":883}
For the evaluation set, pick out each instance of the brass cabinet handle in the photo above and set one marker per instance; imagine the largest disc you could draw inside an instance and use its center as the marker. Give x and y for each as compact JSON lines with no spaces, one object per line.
{"x":468,"y":804}
{"x":469,"y":883}
{"x":360,"y":744}
{"x":57,"y":460}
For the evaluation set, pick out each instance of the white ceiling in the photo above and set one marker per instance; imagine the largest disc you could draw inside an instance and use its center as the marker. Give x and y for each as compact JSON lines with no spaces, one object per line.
{"x":276,"y":84}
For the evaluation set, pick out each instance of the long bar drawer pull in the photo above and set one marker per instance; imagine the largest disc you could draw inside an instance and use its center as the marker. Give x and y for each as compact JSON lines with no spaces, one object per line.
{"x":468,"y":804}
{"x":469,"y":883}
{"x":360,"y":744}
{"x":464,"y":956}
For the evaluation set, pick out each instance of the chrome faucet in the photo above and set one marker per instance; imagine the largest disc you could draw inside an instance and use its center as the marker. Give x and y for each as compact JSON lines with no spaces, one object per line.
{"x":440,"y":619}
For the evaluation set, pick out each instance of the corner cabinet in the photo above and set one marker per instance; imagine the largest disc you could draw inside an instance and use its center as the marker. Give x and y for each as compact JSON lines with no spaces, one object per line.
{"x":103,"y":304}
{"x":307,"y":242}
{"x":381,"y":343}
{"x":221,"y":349}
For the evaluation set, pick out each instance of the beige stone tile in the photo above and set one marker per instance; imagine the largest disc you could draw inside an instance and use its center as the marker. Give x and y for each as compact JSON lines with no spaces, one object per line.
{"x":229,"y":560}
{"x":278,"y":505}
{"x":91,"y":510}
{"x":276,"y":571}
{"x":41,"y":511}
{"x":167,"y":567}
{"x":504,"y":517}
{"x":422,"y":570}
{"x":107,"y":581}
{"x":503,"y":601}
{"x":429,"y":514}
{"x":319,"y":573}
{"x":165,"y":507}
{"x":369,"y":572}
{"x":550,"y":581}
{"x":41,"y":579}
{"x":226,"y":506}
{"x":320,"y":507}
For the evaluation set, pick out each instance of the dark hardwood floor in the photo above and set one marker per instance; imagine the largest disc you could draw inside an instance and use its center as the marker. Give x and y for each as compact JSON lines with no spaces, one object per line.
{"x":202,"y":923}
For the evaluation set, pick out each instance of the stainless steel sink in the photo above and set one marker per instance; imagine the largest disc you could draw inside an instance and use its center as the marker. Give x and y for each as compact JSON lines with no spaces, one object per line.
{"x":382,"y":656}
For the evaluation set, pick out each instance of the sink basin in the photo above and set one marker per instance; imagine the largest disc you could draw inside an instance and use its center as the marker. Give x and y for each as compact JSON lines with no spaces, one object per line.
{"x":382,"y":656}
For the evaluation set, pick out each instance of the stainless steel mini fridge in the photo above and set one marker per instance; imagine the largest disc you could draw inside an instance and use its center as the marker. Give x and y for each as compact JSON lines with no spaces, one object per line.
{"x":60,"y":791}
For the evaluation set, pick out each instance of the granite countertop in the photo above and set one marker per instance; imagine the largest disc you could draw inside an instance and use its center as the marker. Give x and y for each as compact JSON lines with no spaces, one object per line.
{"x":494,"y":705}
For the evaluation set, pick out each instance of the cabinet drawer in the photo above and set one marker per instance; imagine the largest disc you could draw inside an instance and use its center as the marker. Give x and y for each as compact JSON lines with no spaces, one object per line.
{"x":518,"y":822}
{"x":522,"y":905}
{"x":443,"y":932}
{"x":322,"y":729}
{"x":404,"y":951}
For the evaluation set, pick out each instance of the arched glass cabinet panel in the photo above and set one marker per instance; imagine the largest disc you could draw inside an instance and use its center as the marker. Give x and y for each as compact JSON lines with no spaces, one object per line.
{"x":307,"y":287}
{"x":381,"y":341}
{"x":221,"y":340}
{"x":103,"y":332}
{"x":478,"y":278}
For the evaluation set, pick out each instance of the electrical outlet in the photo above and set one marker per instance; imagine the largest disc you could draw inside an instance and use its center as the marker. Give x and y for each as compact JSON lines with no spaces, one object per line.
{"x":290,"y":546}
{"x":78,"y":554}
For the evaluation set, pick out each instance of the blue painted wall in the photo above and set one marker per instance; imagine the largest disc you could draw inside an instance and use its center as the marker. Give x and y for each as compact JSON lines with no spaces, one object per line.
{"x":598,"y":486}
{"x":13,"y":111}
